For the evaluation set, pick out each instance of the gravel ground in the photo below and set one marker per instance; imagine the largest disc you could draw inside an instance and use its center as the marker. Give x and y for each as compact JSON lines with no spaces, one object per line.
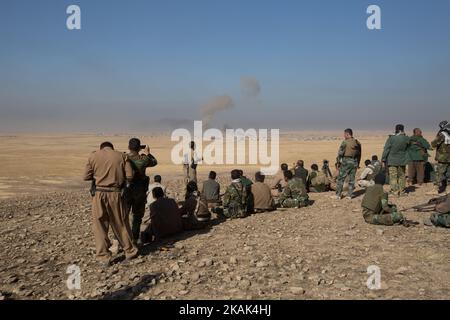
{"x":319,"y":252}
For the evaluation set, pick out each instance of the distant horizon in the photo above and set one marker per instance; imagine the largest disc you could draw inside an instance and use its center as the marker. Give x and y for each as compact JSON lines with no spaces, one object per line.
{"x":252,"y":64}
{"x":283,"y":132}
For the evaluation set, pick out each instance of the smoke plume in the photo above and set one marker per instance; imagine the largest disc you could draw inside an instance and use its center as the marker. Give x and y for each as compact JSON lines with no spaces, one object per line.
{"x":216,"y":104}
{"x":250,"y":86}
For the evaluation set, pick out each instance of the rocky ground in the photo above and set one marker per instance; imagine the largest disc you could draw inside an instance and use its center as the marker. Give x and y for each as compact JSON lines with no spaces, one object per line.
{"x":319,"y":252}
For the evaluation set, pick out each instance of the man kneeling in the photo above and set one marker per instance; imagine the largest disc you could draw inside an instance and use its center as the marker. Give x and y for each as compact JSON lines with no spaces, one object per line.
{"x":375,"y":206}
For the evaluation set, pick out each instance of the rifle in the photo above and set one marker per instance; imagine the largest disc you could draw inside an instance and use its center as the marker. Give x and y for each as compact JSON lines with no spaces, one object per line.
{"x":429,"y":206}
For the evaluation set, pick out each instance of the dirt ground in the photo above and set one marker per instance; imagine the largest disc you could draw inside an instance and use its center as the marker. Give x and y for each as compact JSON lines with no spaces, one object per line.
{"x":319,"y":252}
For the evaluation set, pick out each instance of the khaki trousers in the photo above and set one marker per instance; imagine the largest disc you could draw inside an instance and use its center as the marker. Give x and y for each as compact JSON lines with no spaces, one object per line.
{"x":416,"y":171}
{"x":108,"y":209}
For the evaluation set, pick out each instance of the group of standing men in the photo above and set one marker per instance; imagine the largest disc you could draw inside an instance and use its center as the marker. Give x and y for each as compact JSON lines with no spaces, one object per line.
{"x":399,"y":152}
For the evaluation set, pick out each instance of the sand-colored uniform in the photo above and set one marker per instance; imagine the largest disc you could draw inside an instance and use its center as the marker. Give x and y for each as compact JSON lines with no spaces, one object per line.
{"x":278,"y":183}
{"x":262,"y":196}
{"x":318,"y":182}
{"x":111,"y":170}
{"x":367,"y":177}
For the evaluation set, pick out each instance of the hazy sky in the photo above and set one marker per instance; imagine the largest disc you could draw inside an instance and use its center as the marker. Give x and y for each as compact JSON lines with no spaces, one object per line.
{"x":143,"y":65}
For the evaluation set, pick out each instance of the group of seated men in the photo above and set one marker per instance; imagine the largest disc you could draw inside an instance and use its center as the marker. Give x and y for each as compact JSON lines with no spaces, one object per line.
{"x":323,"y":180}
{"x":243,"y":197}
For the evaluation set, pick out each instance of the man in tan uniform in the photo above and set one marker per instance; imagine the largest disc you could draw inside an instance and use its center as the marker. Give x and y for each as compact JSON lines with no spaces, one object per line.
{"x":262,"y":194}
{"x":111,"y":172}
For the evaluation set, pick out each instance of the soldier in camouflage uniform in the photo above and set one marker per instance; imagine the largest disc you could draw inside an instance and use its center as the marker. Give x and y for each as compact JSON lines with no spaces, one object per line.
{"x":349,"y":157}
{"x":375,"y":206}
{"x":317,"y":180}
{"x":441,"y":218}
{"x":235,"y":198}
{"x":139,"y":185}
{"x":442,"y":145}
{"x":294,"y":195}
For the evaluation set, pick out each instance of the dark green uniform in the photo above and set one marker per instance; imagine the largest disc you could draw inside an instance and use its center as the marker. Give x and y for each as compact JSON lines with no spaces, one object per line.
{"x":443,"y":161}
{"x":349,"y":156}
{"x":418,"y":148}
{"x":294,"y":195}
{"x":376,"y":209}
{"x":235,"y":200}
{"x":247,"y":183}
{"x":418,"y":156}
{"x":302,"y":173}
{"x":139,"y":186}
{"x":396,"y":156}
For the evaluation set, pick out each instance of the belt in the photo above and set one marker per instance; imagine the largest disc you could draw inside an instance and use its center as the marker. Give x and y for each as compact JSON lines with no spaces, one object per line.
{"x":107,"y":189}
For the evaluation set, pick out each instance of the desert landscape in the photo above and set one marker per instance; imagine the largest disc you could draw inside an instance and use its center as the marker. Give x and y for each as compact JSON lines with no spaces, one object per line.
{"x":319,"y":252}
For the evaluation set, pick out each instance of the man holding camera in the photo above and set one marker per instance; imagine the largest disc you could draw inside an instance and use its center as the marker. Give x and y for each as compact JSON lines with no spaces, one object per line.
{"x":139,"y":185}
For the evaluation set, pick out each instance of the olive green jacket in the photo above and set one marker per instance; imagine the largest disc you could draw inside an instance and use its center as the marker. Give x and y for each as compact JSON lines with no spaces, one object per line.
{"x":396,"y":150}
{"x":418,"y":148}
